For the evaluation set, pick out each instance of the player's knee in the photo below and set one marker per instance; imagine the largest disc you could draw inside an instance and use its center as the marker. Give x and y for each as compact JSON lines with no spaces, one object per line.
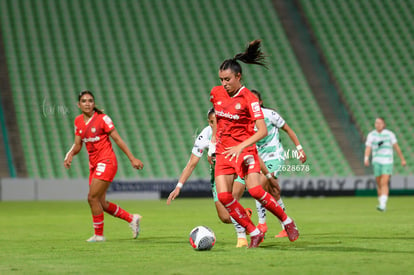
{"x":93,"y":198}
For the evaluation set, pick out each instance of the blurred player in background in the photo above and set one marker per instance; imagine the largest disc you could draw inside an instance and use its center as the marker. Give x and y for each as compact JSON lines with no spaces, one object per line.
{"x":381,"y":142}
{"x":238,"y":112}
{"x":201,"y":144}
{"x":271,"y":152}
{"x":94,"y":128}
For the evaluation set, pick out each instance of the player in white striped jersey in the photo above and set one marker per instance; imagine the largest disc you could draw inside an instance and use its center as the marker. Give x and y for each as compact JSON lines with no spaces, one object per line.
{"x":381,"y":142}
{"x":200,"y":145}
{"x":271,"y":152}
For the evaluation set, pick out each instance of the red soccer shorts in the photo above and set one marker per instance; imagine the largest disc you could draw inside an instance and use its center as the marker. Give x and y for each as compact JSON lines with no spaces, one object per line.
{"x":247,"y":163}
{"x":104,"y":170}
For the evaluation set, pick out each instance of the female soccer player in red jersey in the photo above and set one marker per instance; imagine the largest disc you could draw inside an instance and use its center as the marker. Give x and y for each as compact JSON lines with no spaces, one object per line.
{"x":237,"y":112}
{"x":94,"y":128}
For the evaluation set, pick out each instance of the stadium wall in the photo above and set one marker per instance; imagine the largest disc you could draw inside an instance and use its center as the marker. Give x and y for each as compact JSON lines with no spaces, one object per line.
{"x":12,"y":189}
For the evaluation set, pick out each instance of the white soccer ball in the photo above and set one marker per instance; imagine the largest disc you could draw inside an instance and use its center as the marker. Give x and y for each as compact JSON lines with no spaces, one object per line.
{"x":202,"y":238}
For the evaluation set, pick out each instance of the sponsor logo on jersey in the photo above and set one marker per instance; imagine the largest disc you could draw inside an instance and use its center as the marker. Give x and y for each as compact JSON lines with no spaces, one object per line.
{"x":256,"y":109}
{"x":91,"y":139}
{"x":227,"y":115}
{"x":108,"y":121}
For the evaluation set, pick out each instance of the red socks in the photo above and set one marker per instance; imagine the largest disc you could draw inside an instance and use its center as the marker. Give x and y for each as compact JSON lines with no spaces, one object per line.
{"x":118,"y":212}
{"x":114,"y":210}
{"x":236,"y":210}
{"x":98,"y":224}
{"x":268,"y":202}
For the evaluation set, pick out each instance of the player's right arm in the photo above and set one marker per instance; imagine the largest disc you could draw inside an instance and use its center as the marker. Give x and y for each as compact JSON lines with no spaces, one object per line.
{"x":366,"y":155}
{"x":212,"y":143}
{"x":75,"y":149}
{"x":188,"y":170}
{"x":367,"y":150}
{"x":200,"y":145}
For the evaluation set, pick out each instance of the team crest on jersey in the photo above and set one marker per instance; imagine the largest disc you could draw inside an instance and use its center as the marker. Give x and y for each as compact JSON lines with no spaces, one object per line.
{"x":93,"y":130}
{"x":80,"y":131}
{"x":238,"y":106}
{"x":219,"y":103}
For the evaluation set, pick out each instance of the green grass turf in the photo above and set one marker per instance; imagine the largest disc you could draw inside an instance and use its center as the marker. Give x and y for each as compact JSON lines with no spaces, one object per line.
{"x":338,"y":236}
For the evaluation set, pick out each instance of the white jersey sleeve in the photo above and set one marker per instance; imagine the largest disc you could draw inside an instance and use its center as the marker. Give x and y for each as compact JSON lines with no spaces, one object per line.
{"x":202,"y":141}
{"x":393,"y":138}
{"x":276,"y":119}
{"x":370,"y":139}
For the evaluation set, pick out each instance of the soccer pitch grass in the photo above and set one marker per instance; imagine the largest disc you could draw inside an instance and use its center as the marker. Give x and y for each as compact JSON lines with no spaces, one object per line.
{"x":338,"y":236}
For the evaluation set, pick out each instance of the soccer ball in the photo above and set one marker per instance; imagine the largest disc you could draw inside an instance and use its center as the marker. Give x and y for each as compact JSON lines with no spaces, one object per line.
{"x":202,"y":238}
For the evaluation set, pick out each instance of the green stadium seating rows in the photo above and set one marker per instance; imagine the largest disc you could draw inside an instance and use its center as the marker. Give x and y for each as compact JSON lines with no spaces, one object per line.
{"x":151,"y":65}
{"x":368,"y":45}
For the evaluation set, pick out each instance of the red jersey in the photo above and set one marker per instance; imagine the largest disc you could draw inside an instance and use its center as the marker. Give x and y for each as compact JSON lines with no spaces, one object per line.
{"x":235,"y":116}
{"x":95,"y":135}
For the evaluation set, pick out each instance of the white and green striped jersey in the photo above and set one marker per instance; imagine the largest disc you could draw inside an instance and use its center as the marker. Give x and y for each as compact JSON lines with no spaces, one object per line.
{"x":202,"y":141}
{"x":381,"y":145}
{"x":270,"y":146}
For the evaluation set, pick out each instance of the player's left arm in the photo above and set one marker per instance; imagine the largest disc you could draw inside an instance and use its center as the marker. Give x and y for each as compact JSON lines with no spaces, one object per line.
{"x":400,"y":154}
{"x":295,"y":140}
{"x":136,"y":163}
{"x":271,"y":184}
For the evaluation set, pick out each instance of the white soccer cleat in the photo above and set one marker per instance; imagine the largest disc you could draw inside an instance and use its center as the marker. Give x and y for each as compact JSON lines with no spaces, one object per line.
{"x":381,"y":208}
{"x":135,"y":225}
{"x":96,"y":239}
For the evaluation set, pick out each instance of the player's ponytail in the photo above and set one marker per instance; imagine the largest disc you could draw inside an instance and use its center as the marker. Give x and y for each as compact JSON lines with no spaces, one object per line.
{"x":99,"y":111}
{"x":252,"y":55}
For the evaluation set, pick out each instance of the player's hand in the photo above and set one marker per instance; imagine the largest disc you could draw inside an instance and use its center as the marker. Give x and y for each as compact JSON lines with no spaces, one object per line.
{"x":366,"y":162}
{"x":403,"y":162}
{"x":272,"y":187}
{"x":274,"y":184}
{"x":211,"y":159}
{"x":68,"y":161}
{"x":137,"y":164}
{"x":302,"y":156}
{"x":173,"y":195}
{"x":233,"y":152}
